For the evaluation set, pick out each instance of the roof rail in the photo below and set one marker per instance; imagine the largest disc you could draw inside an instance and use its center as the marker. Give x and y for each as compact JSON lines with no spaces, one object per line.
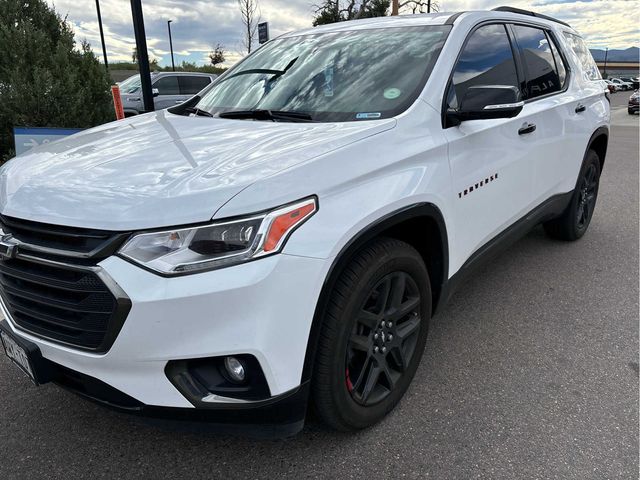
{"x":530,"y":13}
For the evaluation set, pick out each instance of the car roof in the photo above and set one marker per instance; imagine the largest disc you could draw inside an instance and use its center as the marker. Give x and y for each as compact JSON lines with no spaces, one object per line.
{"x":440,"y":18}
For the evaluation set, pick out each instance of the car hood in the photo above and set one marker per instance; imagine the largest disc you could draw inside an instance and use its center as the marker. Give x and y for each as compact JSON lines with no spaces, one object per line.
{"x":160,"y":169}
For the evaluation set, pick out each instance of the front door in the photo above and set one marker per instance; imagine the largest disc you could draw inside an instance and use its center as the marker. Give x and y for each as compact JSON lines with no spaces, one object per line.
{"x":168,"y":92}
{"x":490,"y":160}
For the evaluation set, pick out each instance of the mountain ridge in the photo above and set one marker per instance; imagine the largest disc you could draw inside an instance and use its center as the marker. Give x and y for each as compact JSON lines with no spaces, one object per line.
{"x":630,"y":54}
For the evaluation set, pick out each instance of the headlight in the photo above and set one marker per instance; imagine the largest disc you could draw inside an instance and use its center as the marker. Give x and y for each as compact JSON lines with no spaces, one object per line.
{"x":220,"y":244}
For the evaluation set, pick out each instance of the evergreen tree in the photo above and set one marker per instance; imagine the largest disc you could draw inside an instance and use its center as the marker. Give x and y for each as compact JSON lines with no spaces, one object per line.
{"x":216,"y":56}
{"x":45,"y":81}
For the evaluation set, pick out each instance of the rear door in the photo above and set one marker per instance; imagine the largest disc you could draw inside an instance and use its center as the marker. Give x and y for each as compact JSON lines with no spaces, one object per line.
{"x":555,"y":112}
{"x":192,"y":84}
{"x":491,"y":164}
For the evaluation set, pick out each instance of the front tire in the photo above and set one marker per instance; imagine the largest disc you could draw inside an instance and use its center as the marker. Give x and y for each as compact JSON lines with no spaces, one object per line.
{"x":373,"y":335}
{"x":575,"y":220}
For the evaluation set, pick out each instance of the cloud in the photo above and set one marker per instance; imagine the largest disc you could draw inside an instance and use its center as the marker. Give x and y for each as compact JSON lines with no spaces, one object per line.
{"x":199,"y":25}
{"x":603,"y":23}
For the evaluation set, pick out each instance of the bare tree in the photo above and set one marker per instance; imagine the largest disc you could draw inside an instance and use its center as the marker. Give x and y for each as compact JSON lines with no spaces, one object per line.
{"x":426,"y":6}
{"x":250,"y":13}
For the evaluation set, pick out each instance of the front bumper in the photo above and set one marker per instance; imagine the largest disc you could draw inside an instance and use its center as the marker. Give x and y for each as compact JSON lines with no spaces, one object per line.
{"x":633,"y":107}
{"x":262,"y":308}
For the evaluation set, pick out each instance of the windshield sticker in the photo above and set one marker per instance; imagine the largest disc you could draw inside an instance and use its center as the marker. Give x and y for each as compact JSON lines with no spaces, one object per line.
{"x":392,"y":93}
{"x":328,"y":82}
{"x":369,"y":115}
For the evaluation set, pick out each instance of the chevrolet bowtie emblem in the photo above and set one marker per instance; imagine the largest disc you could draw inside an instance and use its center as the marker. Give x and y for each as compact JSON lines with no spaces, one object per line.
{"x":7,"y":248}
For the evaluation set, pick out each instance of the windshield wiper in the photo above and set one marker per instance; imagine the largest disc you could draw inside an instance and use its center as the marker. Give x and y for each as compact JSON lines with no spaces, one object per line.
{"x":273,"y":115}
{"x":266,"y":71}
{"x":197,"y":111}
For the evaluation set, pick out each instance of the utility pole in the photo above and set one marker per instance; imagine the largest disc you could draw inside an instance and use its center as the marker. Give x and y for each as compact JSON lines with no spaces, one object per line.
{"x":606,"y":53}
{"x":428,"y":6}
{"x":173,"y":65}
{"x":104,"y":48}
{"x":143,"y":56}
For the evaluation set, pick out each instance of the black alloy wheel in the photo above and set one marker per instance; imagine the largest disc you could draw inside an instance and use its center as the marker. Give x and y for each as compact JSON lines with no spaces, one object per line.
{"x":383,"y":339}
{"x":587,"y":201}
{"x":373,"y":334}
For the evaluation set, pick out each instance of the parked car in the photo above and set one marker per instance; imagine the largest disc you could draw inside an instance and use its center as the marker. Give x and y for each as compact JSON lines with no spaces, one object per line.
{"x":612,"y":87}
{"x":287,"y":234}
{"x":633,"y":103}
{"x":621,"y":84}
{"x":169,"y":90}
{"x":631,"y":80}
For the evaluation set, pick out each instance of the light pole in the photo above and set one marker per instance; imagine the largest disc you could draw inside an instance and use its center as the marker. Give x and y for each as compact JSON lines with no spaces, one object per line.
{"x":606,"y":53}
{"x":173,"y":65}
{"x":143,"y":56}
{"x":104,"y":48}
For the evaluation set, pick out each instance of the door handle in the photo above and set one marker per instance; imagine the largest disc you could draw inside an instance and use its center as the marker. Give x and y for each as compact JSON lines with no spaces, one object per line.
{"x":178,"y":102}
{"x":527,"y":128}
{"x":580,"y":108}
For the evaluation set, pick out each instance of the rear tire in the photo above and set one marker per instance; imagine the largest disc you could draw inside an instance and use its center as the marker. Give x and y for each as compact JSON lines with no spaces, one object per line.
{"x":574,"y":221}
{"x":373,"y":335}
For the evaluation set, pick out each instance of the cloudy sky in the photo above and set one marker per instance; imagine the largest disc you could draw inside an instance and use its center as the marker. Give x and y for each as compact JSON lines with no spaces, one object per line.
{"x":200,"y":24}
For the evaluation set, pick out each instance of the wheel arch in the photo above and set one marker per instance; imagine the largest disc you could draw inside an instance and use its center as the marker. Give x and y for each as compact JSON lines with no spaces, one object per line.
{"x":599,"y":142}
{"x":422,"y":226}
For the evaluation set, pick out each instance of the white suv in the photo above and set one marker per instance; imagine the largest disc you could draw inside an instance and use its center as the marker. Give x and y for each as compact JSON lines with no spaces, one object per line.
{"x":286,"y":235}
{"x":621,"y":84}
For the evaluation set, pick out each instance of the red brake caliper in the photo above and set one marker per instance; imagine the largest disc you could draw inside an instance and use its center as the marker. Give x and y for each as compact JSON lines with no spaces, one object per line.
{"x":349,"y":384}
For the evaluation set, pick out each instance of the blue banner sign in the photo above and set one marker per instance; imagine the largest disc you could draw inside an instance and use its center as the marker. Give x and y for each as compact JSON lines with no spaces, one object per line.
{"x":27,"y":138}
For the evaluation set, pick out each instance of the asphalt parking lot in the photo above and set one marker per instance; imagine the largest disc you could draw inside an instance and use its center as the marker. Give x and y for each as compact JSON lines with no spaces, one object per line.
{"x":531,"y":372}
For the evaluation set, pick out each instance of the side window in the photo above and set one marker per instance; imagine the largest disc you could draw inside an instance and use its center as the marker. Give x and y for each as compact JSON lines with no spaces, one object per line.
{"x":541,"y":74}
{"x":560,"y":65}
{"x":192,"y":85}
{"x":487,"y":59}
{"x":589,"y":67}
{"x":167,"y":85}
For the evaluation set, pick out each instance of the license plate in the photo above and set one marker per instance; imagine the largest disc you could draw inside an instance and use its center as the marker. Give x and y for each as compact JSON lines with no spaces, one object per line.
{"x":18,"y":355}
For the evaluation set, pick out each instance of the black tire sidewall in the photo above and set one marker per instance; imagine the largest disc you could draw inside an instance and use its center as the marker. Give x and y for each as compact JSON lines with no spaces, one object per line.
{"x":399,"y":259}
{"x":590,"y":159}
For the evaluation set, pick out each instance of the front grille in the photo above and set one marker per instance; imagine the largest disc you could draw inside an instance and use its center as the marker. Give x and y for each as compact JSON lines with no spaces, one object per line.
{"x":63,"y":241}
{"x":52,"y":287}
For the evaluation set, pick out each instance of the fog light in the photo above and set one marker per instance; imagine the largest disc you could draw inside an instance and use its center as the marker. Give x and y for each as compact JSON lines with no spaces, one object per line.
{"x":235,"y":369}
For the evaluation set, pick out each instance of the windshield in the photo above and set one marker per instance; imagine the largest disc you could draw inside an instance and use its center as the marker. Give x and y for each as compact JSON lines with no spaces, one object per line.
{"x":342,"y":76}
{"x":130,"y":85}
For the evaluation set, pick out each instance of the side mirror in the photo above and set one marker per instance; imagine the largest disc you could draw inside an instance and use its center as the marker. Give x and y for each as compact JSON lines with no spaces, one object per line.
{"x":155,"y":92}
{"x":482,"y":102}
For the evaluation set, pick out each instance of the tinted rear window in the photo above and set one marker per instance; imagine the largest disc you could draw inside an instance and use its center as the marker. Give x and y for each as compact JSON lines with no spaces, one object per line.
{"x":589,"y":67}
{"x":542,"y":77}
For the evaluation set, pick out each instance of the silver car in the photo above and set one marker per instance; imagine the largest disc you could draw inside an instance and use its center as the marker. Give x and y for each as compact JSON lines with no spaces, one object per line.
{"x":169,"y":89}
